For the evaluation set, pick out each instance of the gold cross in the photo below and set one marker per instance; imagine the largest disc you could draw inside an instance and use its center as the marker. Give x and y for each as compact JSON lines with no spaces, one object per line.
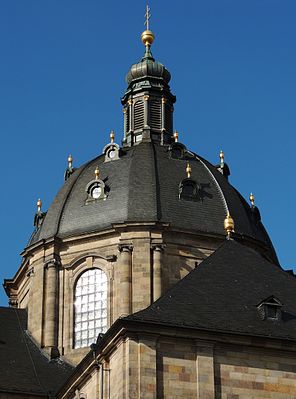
{"x":147,"y":17}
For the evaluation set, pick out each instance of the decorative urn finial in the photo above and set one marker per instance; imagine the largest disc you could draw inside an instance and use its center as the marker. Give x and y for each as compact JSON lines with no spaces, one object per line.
{"x":97,"y":173}
{"x":188,"y":170}
{"x":70,"y":160}
{"x":39,"y":205}
{"x":228,"y":225}
{"x":252,"y":200}
{"x":112,"y":136}
{"x":221,"y":159}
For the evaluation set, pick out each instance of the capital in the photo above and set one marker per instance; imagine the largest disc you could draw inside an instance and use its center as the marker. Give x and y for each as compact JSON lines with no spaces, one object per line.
{"x":52,"y":263}
{"x":30,"y":272}
{"x":157,"y":247}
{"x":125,"y":247}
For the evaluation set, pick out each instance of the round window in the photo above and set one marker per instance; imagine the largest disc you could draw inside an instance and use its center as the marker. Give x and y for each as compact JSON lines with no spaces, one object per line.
{"x":111,"y":153}
{"x":96,"y":192}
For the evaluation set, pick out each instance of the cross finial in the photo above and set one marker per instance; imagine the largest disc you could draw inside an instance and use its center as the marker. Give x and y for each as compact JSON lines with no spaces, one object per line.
{"x":147,"y":17}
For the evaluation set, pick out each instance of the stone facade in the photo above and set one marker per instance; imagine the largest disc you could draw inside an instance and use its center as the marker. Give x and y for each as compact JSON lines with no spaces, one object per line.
{"x":141,"y":263}
{"x":190,"y":366}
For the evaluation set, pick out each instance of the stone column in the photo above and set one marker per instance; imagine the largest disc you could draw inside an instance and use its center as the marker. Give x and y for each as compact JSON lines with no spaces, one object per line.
{"x":157,"y":266}
{"x":51,"y":304}
{"x":125,"y":278}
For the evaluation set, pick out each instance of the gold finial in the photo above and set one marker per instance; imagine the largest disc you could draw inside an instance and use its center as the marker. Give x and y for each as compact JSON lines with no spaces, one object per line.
{"x":228,"y":224}
{"x":176,"y":136}
{"x":70,"y":160}
{"x":147,"y":36}
{"x":188,"y":170}
{"x":252,"y":200}
{"x":112,"y":136}
{"x":97,"y":173}
{"x":39,"y":205}
{"x":221,"y":159}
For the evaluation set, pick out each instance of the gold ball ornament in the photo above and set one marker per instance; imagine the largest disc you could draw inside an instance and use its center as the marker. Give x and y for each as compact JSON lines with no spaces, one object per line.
{"x":147,"y":37}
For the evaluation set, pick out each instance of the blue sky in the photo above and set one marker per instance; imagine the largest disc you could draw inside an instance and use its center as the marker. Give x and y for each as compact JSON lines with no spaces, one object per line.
{"x":62,"y":72}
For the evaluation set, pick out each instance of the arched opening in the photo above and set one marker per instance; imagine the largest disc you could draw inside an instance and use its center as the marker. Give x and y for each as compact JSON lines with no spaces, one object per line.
{"x":90,"y":307}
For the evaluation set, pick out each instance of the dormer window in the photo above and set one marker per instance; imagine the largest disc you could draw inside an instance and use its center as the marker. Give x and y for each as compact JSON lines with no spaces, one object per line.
{"x":96,"y":189}
{"x":111,"y":150}
{"x":270,"y":308}
{"x":189,"y":190}
{"x":177,"y":150}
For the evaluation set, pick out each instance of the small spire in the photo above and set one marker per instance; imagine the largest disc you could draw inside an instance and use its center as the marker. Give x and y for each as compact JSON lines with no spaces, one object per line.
{"x":188,"y":170}
{"x":39,"y":205}
{"x":147,"y":36}
{"x":252,"y":200}
{"x":228,"y":225}
{"x":97,"y":173}
{"x":70,"y":160}
{"x":221,"y":159}
{"x":112,"y":136}
{"x":176,"y":136}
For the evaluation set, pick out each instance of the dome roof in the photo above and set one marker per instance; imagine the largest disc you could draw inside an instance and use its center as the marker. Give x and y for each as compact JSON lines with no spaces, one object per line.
{"x":148,"y":68}
{"x":144,"y":186}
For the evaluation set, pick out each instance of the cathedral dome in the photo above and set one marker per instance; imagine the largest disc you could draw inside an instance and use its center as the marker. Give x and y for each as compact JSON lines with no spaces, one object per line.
{"x":152,"y":179}
{"x":144,"y":185}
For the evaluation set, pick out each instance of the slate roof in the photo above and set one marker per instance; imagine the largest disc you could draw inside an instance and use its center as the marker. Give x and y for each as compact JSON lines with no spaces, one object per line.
{"x":24,"y":369}
{"x":223,"y":292}
{"x":144,"y":187}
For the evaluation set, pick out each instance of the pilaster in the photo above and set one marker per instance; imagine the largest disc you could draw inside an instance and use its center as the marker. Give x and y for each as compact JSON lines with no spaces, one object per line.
{"x":51,"y":304}
{"x":157,"y":272}
{"x":125,"y":278}
{"x":205,"y":370}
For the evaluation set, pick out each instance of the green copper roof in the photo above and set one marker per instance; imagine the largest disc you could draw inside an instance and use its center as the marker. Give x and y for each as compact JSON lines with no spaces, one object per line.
{"x":148,"y":68}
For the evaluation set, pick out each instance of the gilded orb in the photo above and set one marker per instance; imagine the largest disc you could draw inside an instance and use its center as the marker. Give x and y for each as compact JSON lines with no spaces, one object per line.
{"x":147,"y":37}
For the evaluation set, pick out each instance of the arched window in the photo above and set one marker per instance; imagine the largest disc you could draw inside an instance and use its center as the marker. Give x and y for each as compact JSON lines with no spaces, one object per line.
{"x":90,"y":307}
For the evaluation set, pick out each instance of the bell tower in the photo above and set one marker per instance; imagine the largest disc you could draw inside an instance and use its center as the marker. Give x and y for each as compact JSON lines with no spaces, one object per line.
{"x":148,"y":102}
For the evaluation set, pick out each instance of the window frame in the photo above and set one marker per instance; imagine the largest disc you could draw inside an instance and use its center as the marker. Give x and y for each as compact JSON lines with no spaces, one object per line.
{"x":85,"y":267}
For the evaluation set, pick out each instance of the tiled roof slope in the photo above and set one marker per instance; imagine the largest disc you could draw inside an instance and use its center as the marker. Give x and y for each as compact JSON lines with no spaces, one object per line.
{"x":144,"y":187}
{"x":223,"y":292}
{"x":24,"y":369}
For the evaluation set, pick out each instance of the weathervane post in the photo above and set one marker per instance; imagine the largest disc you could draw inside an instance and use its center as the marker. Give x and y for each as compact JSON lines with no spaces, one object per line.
{"x":147,"y":16}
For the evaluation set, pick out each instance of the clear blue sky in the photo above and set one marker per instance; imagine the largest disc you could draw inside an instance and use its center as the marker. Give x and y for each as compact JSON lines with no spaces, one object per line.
{"x":62,"y":70}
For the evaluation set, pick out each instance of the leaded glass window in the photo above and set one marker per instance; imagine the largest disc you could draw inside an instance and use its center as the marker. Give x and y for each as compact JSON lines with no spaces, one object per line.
{"x":90,"y":307}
